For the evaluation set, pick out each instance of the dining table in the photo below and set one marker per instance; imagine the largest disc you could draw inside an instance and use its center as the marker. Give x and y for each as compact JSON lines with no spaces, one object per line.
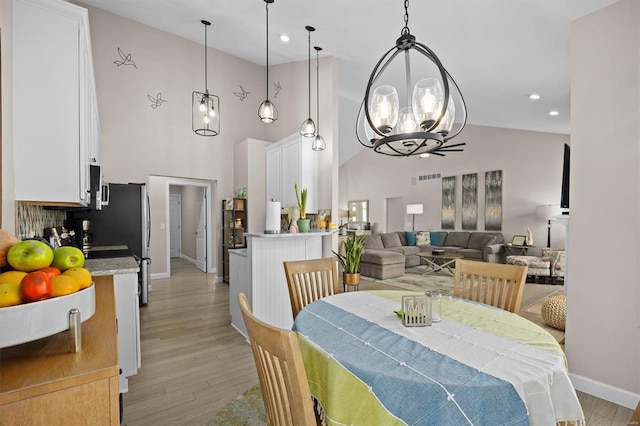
{"x":479,"y":365}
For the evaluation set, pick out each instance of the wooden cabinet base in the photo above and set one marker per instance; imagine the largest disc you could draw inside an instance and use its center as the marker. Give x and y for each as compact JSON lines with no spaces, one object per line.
{"x":45,"y":383}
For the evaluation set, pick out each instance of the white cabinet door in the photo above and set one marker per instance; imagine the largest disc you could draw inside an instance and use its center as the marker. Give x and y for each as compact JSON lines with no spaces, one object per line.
{"x":273,"y":158}
{"x":55,"y":109}
{"x":128,"y":313}
{"x":288,"y":161}
{"x":290,"y":171}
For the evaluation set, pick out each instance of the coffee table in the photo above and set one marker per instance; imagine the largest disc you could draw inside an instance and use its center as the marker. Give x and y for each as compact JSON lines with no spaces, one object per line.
{"x":439,"y":262}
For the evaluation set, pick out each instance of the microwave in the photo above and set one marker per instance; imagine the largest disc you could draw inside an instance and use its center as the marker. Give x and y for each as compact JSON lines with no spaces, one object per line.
{"x":99,"y":188}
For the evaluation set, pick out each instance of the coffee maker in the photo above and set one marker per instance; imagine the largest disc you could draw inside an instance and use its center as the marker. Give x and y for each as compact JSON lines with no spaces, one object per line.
{"x":87,"y":237}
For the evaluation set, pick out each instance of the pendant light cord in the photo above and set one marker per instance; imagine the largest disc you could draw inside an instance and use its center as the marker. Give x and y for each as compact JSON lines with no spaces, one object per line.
{"x":318,"y":88}
{"x":206,"y":89}
{"x":267,"y":6}
{"x":309,"y":74}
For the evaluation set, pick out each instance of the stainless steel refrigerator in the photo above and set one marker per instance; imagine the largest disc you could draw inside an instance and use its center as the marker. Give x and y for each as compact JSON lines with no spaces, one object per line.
{"x":126,"y":221}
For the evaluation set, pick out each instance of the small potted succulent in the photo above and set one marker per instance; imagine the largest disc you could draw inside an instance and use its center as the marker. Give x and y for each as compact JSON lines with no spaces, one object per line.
{"x":350,"y":260}
{"x":301,"y":199}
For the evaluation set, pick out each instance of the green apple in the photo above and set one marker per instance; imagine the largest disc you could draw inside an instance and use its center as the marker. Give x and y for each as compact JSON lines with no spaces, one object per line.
{"x":67,"y":257}
{"x":30,"y":255}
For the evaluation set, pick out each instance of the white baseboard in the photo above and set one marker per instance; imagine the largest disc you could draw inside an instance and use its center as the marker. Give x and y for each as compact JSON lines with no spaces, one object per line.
{"x":160,"y":276}
{"x":604,"y":391}
{"x":188,"y":259}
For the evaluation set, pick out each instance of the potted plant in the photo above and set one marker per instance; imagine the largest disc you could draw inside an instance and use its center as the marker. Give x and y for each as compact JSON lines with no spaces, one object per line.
{"x":301,"y":199}
{"x":350,"y":260}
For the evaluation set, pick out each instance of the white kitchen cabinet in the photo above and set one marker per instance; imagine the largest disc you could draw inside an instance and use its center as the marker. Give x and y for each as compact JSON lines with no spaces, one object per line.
{"x":290,"y":161}
{"x":125,"y":287}
{"x":56,"y":129}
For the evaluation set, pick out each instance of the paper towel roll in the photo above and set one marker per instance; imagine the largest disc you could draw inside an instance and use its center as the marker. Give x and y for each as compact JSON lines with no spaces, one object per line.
{"x":273,"y":218}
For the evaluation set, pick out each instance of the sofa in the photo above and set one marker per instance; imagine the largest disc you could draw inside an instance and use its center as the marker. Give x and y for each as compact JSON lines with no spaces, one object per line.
{"x":387,"y":255}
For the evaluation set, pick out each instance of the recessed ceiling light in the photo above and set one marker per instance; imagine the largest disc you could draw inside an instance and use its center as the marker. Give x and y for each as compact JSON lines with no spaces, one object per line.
{"x":423,"y":155}
{"x":534,"y":96}
{"x":554,"y":113}
{"x":284,"y":38}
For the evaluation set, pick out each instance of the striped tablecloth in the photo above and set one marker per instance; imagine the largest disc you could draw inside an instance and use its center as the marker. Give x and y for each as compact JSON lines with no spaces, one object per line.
{"x":480,"y":365}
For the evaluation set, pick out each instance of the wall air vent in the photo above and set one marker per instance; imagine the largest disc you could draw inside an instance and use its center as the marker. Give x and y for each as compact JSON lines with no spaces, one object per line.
{"x":429,"y":177}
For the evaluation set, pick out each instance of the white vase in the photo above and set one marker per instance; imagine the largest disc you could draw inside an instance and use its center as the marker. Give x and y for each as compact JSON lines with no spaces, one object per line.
{"x":529,"y":240}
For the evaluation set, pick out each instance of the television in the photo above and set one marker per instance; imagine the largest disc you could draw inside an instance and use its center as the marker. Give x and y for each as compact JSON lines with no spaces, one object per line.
{"x":564,"y":197}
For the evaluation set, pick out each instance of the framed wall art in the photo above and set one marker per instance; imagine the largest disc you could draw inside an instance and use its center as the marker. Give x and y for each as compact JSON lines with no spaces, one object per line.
{"x":448,"y":202}
{"x":493,"y":201}
{"x":470,"y":201}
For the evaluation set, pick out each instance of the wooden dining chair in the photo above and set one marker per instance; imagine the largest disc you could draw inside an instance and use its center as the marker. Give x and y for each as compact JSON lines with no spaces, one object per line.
{"x":310,"y":280}
{"x":283,"y":379}
{"x":490,"y":283}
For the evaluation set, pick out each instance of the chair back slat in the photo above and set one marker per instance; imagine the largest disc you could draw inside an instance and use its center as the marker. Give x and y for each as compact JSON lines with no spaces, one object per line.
{"x":310,"y":280}
{"x":283,"y":379}
{"x":490,"y":283}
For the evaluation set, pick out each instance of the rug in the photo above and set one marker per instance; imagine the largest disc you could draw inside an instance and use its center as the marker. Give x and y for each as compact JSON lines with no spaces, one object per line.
{"x":247,"y":409}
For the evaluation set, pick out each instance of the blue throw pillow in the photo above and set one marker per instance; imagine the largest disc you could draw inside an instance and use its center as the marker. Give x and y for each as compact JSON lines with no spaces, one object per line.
{"x":411,"y":238}
{"x":435,"y":238}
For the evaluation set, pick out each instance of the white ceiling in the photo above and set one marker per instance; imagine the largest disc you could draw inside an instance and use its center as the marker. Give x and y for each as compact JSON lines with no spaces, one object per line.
{"x":498,"y":51}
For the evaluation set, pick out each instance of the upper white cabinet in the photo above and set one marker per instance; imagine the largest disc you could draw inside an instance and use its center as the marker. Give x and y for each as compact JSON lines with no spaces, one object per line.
{"x":56,"y":129}
{"x":291,"y":161}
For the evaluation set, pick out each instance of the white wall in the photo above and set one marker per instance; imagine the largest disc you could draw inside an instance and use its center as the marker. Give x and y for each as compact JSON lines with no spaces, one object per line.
{"x":6,"y":120}
{"x":532,"y":174}
{"x":603,"y":323}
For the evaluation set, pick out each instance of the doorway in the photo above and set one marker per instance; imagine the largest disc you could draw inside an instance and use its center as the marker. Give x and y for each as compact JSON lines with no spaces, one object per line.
{"x":175,"y":225}
{"x":189,"y":217}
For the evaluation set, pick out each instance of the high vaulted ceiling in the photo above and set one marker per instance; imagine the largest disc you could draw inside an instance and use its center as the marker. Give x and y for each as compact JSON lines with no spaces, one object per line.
{"x":498,"y":51}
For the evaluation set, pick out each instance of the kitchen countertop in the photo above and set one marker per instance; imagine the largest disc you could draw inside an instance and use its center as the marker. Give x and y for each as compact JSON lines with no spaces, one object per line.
{"x":316,"y":233}
{"x":112,"y":266}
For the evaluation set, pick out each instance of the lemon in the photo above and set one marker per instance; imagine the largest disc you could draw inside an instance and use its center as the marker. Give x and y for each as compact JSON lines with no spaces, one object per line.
{"x":9,"y":294}
{"x":63,"y":285}
{"x":82,"y":275}
{"x":12,"y":277}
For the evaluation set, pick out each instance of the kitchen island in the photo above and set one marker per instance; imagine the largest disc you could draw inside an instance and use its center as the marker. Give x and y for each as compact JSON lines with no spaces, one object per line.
{"x":257,"y":271}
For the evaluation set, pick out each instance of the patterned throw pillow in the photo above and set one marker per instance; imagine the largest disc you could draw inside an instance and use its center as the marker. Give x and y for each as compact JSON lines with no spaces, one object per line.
{"x":423,"y":238}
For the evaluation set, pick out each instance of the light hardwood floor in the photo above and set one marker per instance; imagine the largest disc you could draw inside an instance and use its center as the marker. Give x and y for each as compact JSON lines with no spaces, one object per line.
{"x":194,"y":362}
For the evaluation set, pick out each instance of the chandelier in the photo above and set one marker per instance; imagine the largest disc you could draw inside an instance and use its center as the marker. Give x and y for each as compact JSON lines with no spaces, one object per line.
{"x":205,"y":108}
{"x":400,"y":118}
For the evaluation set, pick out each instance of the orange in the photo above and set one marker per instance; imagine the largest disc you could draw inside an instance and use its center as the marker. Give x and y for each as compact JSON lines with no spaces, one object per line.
{"x":10,"y":294}
{"x":12,"y":277}
{"x":63,"y":285}
{"x":81,"y":274}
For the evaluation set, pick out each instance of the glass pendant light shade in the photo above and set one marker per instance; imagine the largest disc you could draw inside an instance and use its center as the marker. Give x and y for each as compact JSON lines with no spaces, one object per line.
{"x":205,"y":107}
{"x":308,"y":127}
{"x":267,"y":111}
{"x":399,"y":117}
{"x":427,"y":101}
{"x":318,"y":143}
{"x":384,"y":108}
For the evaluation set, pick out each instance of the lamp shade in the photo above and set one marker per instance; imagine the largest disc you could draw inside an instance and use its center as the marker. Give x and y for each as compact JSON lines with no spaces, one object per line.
{"x":414,"y":208}
{"x":547,"y":212}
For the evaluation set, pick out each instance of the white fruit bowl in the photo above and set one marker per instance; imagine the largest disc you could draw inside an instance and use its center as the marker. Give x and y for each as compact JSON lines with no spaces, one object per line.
{"x":33,"y":321}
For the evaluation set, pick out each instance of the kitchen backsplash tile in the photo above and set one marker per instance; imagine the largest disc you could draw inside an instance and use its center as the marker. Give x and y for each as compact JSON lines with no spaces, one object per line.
{"x":33,"y":219}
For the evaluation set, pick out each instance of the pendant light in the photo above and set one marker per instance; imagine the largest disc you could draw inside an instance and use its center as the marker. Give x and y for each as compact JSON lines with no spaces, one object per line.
{"x":424,"y":117}
{"x":205,"y":108}
{"x":267,"y":111}
{"x":318,"y":143}
{"x":308,"y":128}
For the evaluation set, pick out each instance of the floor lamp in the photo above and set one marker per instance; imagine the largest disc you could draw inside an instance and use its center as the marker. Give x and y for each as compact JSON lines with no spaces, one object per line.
{"x":414,"y":209}
{"x":546,"y":213}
